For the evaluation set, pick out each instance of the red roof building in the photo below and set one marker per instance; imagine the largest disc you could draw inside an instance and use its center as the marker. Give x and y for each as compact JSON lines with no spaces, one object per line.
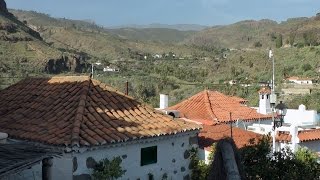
{"x":304,"y":136}
{"x":212,"y":134}
{"x":89,"y":121}
{"x":215,"y":107}
{"x":77,"y":110}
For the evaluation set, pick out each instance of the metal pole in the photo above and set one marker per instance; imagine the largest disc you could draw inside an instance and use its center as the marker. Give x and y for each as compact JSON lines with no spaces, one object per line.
{"x":92,"y":70}
{"x":127,"y":88}
{"x":230,"y":125}
{"x":274,"y":132}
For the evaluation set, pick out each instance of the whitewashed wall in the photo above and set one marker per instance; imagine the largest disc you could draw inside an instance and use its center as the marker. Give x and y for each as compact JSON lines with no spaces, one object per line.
{"x":172,"y":158}
{"x":172,"y":152}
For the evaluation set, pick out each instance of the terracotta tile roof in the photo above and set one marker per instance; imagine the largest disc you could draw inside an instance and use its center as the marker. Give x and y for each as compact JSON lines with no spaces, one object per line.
{"x":283,"y":137}
{"x":216,"y":107}
{"x":265,"y":90}
{"x":309,"y":135}
{"x":76,"y":110}
{"x":239,"y":99}
{"x":211,"y":134}
{"x":305,"y":135}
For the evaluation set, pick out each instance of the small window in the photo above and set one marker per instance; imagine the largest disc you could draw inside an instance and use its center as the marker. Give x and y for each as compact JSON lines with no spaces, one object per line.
{"x":262,"y":97}
{"x":267,"y":96}
{"x":148,"y":155}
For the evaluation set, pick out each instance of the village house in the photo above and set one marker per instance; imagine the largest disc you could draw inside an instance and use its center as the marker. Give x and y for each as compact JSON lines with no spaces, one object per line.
{"x":299,"y":80}
{"x":110,"y":69}
{"x":88,"y":121}
{"x":300,"y":126}
{"x":300,"y":129}
{"x":220,"y":115}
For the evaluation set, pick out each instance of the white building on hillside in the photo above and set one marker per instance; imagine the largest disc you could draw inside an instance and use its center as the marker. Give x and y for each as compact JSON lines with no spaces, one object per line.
{"x":298,"y":80}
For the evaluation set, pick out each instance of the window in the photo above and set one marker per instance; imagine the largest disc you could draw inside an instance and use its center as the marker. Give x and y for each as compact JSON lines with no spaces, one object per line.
{"x":262,"y":97}
{"x":148,"y":155}
{"x":267,"y":96}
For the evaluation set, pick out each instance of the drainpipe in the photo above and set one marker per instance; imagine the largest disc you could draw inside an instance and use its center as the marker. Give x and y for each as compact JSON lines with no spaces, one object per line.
{"x":47,"y":169}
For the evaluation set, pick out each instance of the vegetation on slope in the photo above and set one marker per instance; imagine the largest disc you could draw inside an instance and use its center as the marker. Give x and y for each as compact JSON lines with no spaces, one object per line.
{"x":202,"y":62}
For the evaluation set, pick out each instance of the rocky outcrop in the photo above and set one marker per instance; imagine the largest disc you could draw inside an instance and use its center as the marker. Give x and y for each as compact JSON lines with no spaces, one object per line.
{"x":3,"y":7}
{"x":76,"y":63}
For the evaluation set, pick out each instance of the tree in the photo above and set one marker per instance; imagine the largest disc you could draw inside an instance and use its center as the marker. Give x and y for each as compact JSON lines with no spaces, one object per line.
{"x":108,"y":170}
{"x":306,"y":67}
{"x":260,"y":164}
{"x":292,"y":37}
{"x":310,"y":38}
{"x":279,"y":41}
{"x":257,"y":44}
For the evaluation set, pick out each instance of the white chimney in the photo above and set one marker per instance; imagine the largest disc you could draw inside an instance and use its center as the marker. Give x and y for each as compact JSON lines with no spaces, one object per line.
{"x":164,"y":101}
{"x":294,"y":137}
{"x":3,"y":138}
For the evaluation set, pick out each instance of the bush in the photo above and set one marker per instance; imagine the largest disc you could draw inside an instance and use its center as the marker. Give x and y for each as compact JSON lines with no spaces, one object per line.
{"x":257,"y":44}
{"x":306,"y":67}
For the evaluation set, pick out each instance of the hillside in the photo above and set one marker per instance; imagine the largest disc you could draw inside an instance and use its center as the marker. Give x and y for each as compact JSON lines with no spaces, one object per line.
{"x":159,"y":34}
{"x":153,"y":34}
{"x":263,"y":33}
{"x":202,"y":60}
{"x":22,"y":50}
{"x":179,"y":27}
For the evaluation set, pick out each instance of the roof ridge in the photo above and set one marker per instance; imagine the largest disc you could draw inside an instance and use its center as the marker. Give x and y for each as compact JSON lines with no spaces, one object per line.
{"x":75,"y":138}
{"x":208,"y":105}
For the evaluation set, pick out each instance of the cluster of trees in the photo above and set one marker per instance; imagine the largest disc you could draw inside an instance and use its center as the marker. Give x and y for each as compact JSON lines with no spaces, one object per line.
{"x":258,"y":163}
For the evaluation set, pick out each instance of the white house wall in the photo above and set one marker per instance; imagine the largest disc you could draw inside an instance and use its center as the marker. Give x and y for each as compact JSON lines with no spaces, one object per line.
{"x":173,"y":159}
{"x":300,"y":117}
{"x":312,"y":145}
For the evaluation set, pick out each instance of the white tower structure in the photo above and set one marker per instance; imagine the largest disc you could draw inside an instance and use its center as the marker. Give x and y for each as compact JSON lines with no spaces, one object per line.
{"x":264,"y":100}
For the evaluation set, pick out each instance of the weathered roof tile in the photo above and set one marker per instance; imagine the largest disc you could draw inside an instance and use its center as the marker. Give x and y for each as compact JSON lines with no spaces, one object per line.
{"x":215,"y":107}
{"x":76,"y":110}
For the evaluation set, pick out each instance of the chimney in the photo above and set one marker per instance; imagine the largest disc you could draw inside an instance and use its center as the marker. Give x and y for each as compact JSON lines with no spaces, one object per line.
{"x":3,"y":138}
{"x":164,"y":101}
{"x":294,"y":137}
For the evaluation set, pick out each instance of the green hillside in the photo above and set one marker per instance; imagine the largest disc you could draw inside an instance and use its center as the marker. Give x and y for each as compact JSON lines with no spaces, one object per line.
{"x":22,"y":50}
{"x":263,"y":33}
{"x":153,"y":34}
{"x":189,"y":63}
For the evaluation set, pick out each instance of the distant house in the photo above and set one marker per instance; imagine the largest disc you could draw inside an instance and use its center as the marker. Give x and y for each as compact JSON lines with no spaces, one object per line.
{"x":298,"y":80}
{"x":299,"y":123}
{"x":298,"y":137}
{"x":110,"y":69}
{"x":157,"y":56}
{"x":88,"y":121}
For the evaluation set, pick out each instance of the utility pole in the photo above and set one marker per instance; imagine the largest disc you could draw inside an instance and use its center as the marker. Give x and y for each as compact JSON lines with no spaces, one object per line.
{"x":273,"y":99}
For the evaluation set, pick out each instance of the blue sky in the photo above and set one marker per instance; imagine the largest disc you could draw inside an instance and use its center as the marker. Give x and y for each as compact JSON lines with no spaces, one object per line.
{"x":204,"y":12}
